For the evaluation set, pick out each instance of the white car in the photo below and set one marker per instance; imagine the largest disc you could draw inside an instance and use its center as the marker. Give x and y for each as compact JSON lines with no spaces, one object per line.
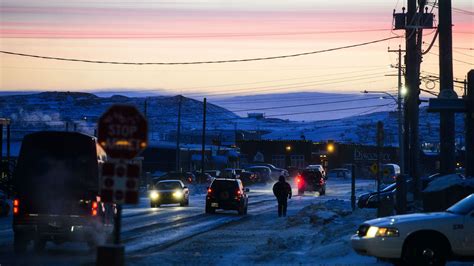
{"x":317,"y":167}
{"x":420,"y":238}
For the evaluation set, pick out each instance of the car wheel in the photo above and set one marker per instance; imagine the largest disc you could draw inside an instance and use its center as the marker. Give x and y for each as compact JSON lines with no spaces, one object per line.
{"x":20,"y":243}
{"x":241,"y":211}
{"x":184,"y":203}
{"x":425,"y":251}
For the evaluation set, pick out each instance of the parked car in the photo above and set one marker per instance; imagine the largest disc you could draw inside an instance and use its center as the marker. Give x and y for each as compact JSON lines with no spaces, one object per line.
{"x":213,"y":173}
{"x":318,"y":167}
{"x":169,"y":192}
{"x":4,"y":206}
{"x":420,"y":238}
{"x":185,"y":177}
{"x":227,"y":194}
{"x":247,"y":177}
{"x":203,"y":178}
{"x":390,"y":172}
{"x":275,"y":171}
{"x":388,"y":193}
{"x":57,"y":184}
{"x":311,"y":180}
{"x":339,"y":173}
{"x":263,"y":173}
{"x":228,"y":173}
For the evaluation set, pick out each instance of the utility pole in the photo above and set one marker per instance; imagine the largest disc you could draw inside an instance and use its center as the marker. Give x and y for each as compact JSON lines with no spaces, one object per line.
{"x":413,"y":60}
{"x":401,"y":145}
{"x":178,"y":136}
{"x":469,"y":163}
{"x":203,"y":151}
{"x":447,"y":150}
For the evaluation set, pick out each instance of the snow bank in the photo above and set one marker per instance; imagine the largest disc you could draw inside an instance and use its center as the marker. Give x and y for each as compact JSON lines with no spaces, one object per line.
{"x":447,"y":181}
{"x":320,"y":213}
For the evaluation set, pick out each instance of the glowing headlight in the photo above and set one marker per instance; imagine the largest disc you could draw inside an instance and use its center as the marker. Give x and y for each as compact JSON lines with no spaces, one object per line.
{"x":154,"y":195}
{"x":375,"y":231}
{"x":177,"y":194}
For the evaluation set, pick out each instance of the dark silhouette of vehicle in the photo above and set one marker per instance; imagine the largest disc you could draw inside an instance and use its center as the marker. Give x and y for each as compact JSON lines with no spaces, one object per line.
{"x":227,"y":194}
{"x":311,"y":180}
{"x":57,"y":191}
{"x":185,"y":177}
{"x":339,"y":173}
{"x":388,"y":193}
{"x":169,"y":192}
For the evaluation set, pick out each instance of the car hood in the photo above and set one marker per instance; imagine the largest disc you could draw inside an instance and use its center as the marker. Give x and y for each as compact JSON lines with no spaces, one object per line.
{"x":420,"y":218}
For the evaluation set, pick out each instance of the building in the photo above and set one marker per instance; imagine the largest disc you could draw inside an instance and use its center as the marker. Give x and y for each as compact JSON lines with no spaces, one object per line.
{"x":301,"y":153}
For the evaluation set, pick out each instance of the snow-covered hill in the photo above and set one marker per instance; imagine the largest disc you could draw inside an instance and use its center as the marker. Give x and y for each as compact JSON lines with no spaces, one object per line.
{"x":80,"y":111}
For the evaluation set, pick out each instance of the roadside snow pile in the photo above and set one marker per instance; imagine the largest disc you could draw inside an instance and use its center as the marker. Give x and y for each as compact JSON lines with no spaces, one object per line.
{"x":447,"y":181}
{"x":321,"y":213}
{"x":318,"y":232}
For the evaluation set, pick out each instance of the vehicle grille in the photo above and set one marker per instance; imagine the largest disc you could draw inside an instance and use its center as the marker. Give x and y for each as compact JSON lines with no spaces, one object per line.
{"x":362,"y":231}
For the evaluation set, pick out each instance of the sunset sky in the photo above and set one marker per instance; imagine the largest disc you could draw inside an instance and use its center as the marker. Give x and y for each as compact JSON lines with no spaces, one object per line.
{"x":200,"y":30}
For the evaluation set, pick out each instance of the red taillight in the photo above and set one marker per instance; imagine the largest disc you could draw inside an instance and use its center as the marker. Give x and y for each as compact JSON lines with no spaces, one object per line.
{"x":16,"y":206}
{"x":94,"y":208}
{"x":209,"y":191}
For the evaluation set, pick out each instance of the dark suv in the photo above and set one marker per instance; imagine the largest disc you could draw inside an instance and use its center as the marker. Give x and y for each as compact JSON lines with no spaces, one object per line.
{"x":311,"y":180}
{"x":57,"y":191}
{"x":227,"y":194}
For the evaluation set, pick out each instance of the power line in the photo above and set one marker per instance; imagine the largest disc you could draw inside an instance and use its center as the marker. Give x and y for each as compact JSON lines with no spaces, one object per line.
{"x":294,"y":85}
{"x":457,"y":60}
{"x":298,"y":105}
{"x":198,"y":62}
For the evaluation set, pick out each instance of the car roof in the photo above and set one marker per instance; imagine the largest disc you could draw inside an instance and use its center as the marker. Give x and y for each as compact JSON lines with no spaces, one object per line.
{"x":170,"y":181}
{"x":227,"y":179}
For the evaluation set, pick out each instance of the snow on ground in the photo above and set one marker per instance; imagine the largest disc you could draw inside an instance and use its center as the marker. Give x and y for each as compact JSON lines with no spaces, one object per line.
{"x":316,"y":231}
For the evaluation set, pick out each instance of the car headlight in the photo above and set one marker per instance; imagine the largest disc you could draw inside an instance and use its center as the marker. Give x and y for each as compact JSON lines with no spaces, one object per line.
{"x":177,"y":194}
{"x":375,"y":231}
{"x":154,"y":195}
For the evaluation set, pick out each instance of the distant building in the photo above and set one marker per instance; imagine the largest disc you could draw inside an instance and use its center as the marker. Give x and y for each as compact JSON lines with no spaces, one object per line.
{"x":256,"y":115}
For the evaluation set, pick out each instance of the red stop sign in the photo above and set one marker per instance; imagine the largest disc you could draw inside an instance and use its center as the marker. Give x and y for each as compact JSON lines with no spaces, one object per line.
{"x":122,"y":132}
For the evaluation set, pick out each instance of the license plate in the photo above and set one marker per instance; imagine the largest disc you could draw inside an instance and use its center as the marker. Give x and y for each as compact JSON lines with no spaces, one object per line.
{"x":214,"y":204}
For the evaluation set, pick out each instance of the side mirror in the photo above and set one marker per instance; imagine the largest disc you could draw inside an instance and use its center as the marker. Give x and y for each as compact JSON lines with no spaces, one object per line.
{"x":247,"y":190}
{"x":185,"y":187}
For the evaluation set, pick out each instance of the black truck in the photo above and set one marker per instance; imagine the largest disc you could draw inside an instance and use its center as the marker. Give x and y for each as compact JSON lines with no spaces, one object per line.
{"x":57,"y":191}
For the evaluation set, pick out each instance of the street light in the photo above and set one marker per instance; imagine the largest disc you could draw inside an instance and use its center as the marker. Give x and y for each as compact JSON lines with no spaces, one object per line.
{"x":399,"y":101}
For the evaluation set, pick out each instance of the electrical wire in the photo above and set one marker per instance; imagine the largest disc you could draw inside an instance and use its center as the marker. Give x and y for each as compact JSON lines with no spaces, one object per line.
{"x":432,"y":42}
{"x":199,"y":62}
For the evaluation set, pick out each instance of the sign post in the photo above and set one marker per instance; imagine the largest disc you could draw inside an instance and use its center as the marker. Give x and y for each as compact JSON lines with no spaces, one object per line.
{"x":123,"y":134}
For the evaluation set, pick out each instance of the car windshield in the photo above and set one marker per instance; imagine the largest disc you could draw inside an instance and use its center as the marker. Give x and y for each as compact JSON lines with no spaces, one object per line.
{"x":390,"y":187}
{"x":464,"y":206}
{"x":168,"y":185}
{"x":221,"y":185}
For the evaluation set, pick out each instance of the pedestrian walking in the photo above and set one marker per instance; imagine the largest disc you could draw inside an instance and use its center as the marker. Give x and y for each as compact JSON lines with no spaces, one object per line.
{"x":282,"y":191}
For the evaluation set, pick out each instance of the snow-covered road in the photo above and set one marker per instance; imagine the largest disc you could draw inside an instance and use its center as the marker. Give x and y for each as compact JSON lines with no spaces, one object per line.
{"x":151,"y":232}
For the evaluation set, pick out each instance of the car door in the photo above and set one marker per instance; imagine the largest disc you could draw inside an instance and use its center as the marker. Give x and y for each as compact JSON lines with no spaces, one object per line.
{"x":469,"y":237}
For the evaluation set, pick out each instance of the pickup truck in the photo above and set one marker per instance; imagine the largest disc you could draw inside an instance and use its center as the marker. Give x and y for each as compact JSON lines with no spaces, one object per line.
{"x":420,"y":238}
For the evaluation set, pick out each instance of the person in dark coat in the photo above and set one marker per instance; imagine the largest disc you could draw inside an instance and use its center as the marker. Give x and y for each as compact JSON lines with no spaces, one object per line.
{"x":282,"y":191}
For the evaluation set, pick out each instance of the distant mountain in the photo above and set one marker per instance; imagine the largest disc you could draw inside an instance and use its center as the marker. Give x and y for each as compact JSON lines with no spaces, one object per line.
{"x":80,"y":111}
{"x":69,"y":110}
{"x":307,"y":106}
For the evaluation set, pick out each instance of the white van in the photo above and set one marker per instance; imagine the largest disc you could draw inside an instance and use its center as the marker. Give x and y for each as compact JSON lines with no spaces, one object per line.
{"x":390,"y":172}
